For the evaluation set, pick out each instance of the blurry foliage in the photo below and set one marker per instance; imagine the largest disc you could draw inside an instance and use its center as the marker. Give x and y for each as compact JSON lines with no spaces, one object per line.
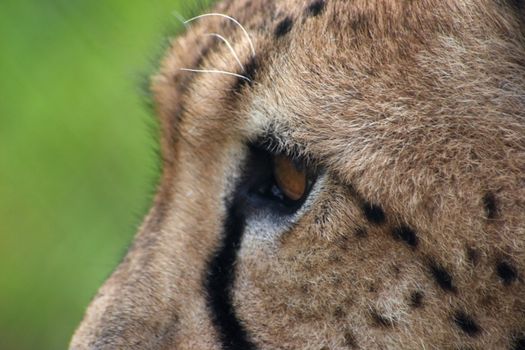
{"x":77,"y":153}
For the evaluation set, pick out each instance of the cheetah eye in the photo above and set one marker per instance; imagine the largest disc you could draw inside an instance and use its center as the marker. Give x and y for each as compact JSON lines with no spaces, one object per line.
{"x":277,"y":181}
{"x":290,"y":181}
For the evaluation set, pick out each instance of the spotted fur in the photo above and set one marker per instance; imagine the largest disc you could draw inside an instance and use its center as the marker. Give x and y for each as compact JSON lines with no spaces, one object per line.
{"x":413,"y":237}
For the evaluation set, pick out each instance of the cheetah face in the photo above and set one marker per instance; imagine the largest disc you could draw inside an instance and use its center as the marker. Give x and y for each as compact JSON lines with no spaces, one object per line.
{"x":336,"y":175}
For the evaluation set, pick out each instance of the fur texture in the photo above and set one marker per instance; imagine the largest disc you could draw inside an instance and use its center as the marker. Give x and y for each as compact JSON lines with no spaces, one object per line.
{"x":414,"y":235}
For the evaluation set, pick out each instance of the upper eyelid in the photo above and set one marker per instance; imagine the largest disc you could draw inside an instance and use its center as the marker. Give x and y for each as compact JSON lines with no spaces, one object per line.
{"x":273,"y":144}
{"x":270,"y":143}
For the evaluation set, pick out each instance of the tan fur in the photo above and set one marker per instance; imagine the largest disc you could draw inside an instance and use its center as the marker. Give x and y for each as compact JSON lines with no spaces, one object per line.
{"x":416,"y":106}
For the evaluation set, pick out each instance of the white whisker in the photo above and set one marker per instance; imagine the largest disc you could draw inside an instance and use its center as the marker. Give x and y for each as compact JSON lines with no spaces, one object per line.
{"x":215,"y":71}
{"x":229,"y":46}
{"x":231,"y":19}
{"x":180,"y":18}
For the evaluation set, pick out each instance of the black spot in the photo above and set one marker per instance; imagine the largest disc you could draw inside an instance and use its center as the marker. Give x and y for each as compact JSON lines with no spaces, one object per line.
{"x":220,"y":281}
{"x":406,"y":234}
{"x":304,"y":289}
{"x":342,"y":242}
{"x":349,"y":340}
{"x":519,"y":343}
{"x":204,"y":53}
{"x":487,"y":300}
{"x":360,"y":232}
{"x":250,"y":72}
{"x":182,"y":83}
{"x":442,"y":276}
{"x":334,"y":259}
{"x":381,"y":321}
{"x":283,"y":27}
{"x":250,"y":68}
{"x":315,"y":8}
{"x":491,"y":205}
{"x":359,"y":22}
{"x":473,"y":255}
{"x":396,"y":271}
{"x":416,"y":299}
{"x":373,"y":213}
{"x":466,"y":323}
{"x":507,"y":272}
{"x":339,"y":313}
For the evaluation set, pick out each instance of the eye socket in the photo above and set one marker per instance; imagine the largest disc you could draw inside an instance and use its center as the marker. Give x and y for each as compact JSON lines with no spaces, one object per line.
{"x":276,"y":182}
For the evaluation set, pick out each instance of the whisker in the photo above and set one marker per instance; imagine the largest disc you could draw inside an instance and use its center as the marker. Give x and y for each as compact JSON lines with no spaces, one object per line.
{"x":215,"y":71}
{"x":231,"y":19}
{"x":179,"y":17}
{"x":229,"y":46}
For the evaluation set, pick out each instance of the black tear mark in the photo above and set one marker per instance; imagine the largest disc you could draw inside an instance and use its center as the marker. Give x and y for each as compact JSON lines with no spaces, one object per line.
{"x":219,"y":284}
{"x":507,"y":272}
{"x":373,"y":213}
{"x":250,"y":72}
{"x":442,"y":276}
{"x":519,"y":343}
{"x":283,"y":27}
{"x":381,"y":321}
{"x":406,"y":234}
{"x":315,"y":8}
{"x":466,"y":323}
{"x":491,"y":205}
{"x":416,"y":299}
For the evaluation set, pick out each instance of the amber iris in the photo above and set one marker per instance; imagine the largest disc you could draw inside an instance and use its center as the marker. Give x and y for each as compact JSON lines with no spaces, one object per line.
{"x":291,"y":180}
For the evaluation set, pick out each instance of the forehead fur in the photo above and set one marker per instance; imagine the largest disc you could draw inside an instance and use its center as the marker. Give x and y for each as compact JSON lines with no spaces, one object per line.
{"x":353,"y":82}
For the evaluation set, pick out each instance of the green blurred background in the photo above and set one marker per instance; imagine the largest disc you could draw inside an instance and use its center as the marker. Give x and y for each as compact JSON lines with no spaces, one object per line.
{"x":77,"y":153}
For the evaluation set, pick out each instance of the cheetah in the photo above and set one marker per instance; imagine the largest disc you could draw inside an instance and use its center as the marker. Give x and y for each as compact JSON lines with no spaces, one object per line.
{"x":337,"y":174}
